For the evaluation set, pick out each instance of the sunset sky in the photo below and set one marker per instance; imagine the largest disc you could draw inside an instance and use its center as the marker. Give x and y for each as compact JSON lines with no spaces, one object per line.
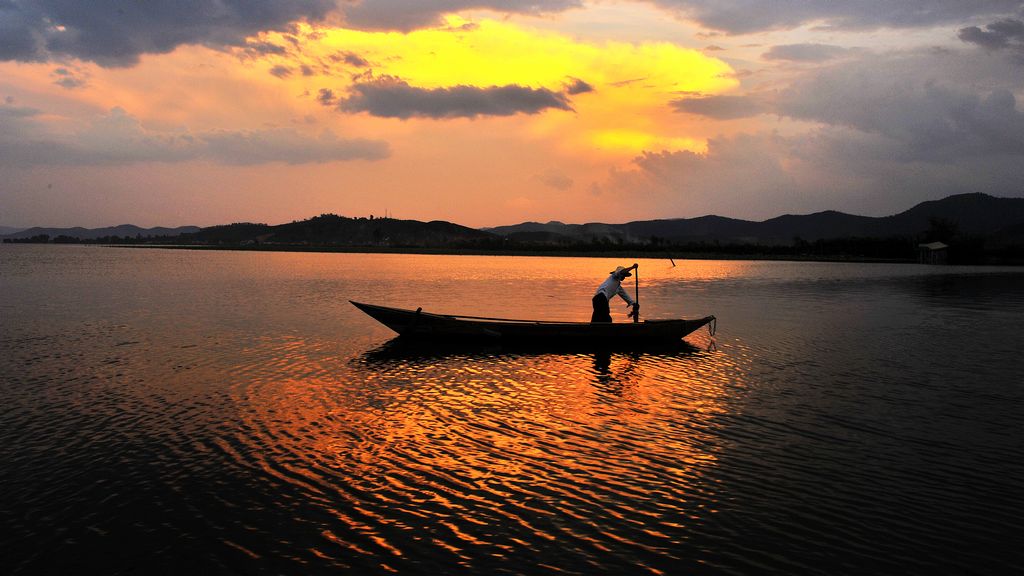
{"x":487,"y":113}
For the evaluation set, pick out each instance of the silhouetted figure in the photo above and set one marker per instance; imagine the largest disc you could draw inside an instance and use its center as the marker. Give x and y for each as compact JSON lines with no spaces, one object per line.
{"x":607,"y":290}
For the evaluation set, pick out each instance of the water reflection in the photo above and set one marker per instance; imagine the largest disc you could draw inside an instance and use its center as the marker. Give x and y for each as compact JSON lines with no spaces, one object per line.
{"x":612,"y":371}
{"x":619,"y":381}
{"x":984,"y":292}
{"x":444,"y":454}
{"x":226,"y":412}
{"x":402,"y":349}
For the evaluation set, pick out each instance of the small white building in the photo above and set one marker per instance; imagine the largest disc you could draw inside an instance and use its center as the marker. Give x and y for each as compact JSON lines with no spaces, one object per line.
{"x":932,"y":253}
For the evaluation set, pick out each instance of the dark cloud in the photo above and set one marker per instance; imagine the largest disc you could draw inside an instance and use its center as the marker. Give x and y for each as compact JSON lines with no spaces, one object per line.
{"x":391,"y":97}
{"x":466,"y":27}
{"x":725,"y":107}
{"x":621,"y":83}
{"x":936,"y":106}
{"x":265,"y":49}
{"x":326,"y":97}
{"x":877,"y":133}
{"x":578,"y":86}
{"x":9,"y":111}
{"x":1002,"y":34}
{"x":17,"y":35}
{"x":353,"y":59}
{"x":743,"y":16}
{"x":765,"y":174}
{"x":912,"y":99}
{"x":405,"y":15}
{"x":116,"y":33}
{"x":118,"y":138}
{"x":69,"y":82}
{"x":67,"y":79}
{"x":281,"y":71}
{"x":804,"y":52}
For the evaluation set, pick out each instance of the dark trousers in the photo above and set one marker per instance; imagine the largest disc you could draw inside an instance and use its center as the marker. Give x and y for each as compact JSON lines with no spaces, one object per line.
{"x":601,"y":312}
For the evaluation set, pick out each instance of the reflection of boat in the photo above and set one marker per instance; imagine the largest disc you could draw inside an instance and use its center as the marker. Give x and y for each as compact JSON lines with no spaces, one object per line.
{"x":430,"y":352}
{"x":419,"y":324}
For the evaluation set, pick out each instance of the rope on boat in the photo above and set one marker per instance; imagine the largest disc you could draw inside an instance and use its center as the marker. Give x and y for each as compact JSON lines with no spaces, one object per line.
{"x":713,"y":326}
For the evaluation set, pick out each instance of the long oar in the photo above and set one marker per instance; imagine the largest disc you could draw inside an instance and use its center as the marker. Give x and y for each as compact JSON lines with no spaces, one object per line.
{"x":636,"y":278}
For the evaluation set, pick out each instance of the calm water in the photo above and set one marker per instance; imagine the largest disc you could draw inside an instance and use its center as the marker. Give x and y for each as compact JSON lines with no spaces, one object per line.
{"x":229,"y":412}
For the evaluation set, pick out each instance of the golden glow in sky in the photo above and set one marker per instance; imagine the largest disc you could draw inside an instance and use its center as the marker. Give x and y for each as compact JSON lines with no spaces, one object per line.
{"x":625,"y":111}
{"x":555,"y":114}
{"x":597,"y":111}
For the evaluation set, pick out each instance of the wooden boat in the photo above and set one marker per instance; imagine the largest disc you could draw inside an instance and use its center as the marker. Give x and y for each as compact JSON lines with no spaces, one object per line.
{"x":420,"y":324}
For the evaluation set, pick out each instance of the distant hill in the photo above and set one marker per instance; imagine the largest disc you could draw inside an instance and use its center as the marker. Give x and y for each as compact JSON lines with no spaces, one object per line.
{"x":970,"y":213}
{"x":977,"y":228}
{"x":124,"y":230}
{"x":330,"y":229}
{"x":9,"y":230}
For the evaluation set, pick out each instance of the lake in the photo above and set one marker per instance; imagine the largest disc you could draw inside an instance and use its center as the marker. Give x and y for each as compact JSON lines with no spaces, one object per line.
{"x":179,"y":411}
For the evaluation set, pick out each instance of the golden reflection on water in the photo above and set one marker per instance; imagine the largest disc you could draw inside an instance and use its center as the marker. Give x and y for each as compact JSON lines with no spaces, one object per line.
{"x":456,"y":444}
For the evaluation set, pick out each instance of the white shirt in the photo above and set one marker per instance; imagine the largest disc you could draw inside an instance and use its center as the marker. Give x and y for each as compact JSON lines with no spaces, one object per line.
{"x":611,"y":287}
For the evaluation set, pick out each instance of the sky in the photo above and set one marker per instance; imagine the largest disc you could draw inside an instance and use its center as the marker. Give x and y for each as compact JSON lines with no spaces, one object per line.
{"x":486,"y":113}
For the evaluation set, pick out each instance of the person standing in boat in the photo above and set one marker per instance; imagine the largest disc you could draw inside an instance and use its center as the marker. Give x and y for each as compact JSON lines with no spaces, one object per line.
{"x":607,"y":290}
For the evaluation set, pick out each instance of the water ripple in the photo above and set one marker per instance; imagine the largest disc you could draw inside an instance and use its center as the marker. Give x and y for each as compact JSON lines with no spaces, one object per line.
{"x":256,"y":427}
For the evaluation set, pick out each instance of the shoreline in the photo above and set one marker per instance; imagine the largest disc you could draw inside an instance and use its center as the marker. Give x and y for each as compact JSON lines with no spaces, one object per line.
{"x":551,"y":253}
{"x":620,"y":253}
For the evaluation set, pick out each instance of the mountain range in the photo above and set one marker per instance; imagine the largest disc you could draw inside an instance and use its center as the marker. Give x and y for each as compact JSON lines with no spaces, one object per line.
{"x":999,"y":220}
{"x":122,"y":231}
{"x":976,"y":214}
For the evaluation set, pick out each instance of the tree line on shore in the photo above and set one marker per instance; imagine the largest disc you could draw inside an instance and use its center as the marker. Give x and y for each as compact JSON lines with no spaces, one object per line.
{"x":975,"y":228}
{"x":963,"y":248}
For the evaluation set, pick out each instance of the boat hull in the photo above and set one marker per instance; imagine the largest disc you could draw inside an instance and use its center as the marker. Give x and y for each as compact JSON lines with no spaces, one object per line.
{"x":424,"y":325}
